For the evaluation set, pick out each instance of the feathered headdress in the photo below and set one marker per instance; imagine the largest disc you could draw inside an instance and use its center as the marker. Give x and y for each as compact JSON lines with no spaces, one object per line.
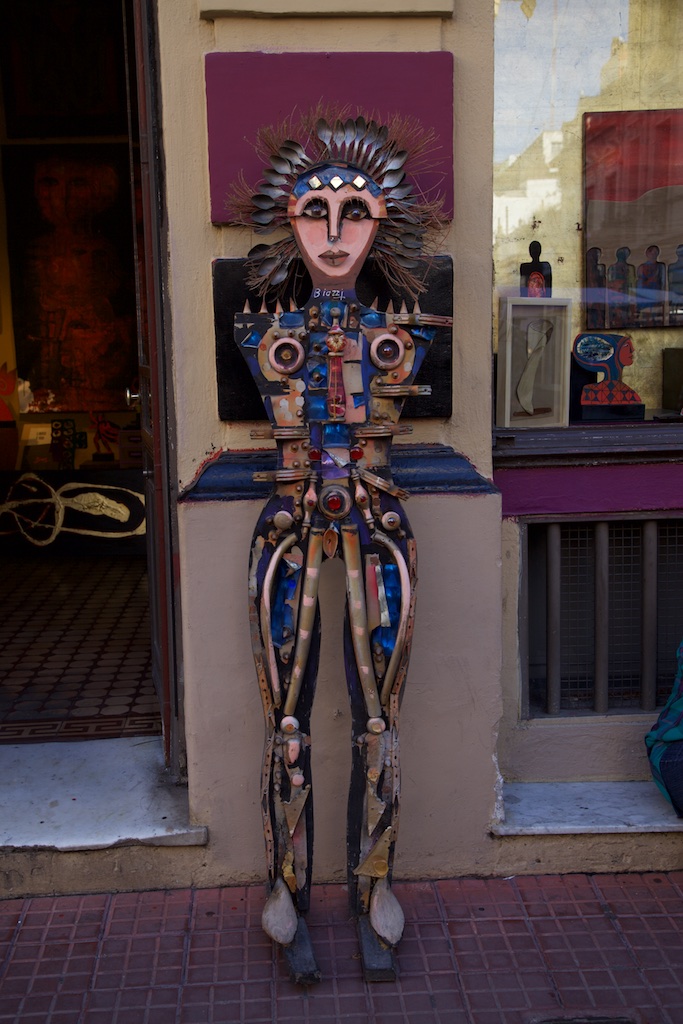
{"x":379,"y":151}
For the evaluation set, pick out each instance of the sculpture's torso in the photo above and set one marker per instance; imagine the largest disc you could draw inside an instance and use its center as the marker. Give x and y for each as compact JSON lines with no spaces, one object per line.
{"x":333,"y":377}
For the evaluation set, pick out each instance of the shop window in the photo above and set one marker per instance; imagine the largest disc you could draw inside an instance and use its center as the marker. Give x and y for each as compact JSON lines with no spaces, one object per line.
{"x":588,"y":215}
{"x":602,"y":614}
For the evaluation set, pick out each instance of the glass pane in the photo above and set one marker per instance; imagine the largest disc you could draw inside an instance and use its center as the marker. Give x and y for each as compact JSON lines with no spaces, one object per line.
{"x":588,"y":208}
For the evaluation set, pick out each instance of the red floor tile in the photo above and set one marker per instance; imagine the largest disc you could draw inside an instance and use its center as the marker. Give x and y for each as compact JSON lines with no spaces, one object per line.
{"x":501,"y":951}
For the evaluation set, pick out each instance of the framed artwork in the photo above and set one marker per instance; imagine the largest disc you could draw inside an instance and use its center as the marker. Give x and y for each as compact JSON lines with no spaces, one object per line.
{"x":70,"y":241}
{"x":633,"y":217}
{"x":534,"y":353}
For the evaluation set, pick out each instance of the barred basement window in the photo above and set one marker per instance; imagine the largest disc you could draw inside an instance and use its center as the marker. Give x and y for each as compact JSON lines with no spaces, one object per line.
{"x":604,"y":614}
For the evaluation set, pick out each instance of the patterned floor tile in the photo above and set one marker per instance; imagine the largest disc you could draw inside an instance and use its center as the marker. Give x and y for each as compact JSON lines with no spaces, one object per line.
{"x":75,"y":651}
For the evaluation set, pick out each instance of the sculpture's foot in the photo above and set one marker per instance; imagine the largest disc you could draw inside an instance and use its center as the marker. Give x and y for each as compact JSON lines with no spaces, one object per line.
{"x":386,"y":913}
{"x":303,"y":969}
{"x":279,"y":918}
{"x":379,"y":962}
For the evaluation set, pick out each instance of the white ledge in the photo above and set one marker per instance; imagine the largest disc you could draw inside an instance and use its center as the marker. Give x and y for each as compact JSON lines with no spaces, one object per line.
{"x":575,"y":808}
{"x":321,"y":9}
{"x":92,"y":795}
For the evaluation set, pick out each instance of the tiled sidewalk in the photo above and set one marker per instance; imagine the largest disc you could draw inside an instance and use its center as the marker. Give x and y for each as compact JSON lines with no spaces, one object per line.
{"x":576,"y":948}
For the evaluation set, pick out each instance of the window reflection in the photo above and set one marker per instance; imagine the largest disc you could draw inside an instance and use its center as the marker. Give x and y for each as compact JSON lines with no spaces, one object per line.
{"x":589,"y":167}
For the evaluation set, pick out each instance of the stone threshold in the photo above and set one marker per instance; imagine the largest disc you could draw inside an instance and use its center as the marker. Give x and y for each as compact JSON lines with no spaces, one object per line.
{"x":590,"y":808}
{"x":92,"y":795}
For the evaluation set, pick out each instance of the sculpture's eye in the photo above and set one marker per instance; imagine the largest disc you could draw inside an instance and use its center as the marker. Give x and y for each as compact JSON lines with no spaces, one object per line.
{"x":387,"y":351}
{"x":355,"y":209}
{"x":316,"y":209}
{"x":287,"y":356}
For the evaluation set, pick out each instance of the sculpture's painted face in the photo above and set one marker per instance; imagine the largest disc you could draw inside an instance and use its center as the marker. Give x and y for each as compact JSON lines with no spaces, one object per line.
{"x":334,"y":230}
{"x":625,"y":352}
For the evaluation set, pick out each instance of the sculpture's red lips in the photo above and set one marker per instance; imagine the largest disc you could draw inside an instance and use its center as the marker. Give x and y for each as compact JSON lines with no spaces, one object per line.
{"x":334,"y":256}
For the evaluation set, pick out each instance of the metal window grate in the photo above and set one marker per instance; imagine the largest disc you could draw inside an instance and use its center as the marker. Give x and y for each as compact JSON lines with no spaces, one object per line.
{"x":625,"y":614}
{"x":604,"y":616}
{"x":669,"y":598}
{"x":577,"y":609}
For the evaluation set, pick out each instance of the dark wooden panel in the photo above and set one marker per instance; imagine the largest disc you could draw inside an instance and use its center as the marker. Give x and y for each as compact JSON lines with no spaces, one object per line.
{"x":238,"y":398}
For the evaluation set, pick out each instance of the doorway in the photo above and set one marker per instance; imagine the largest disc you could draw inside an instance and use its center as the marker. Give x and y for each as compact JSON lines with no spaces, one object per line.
{"x":87,"y":637}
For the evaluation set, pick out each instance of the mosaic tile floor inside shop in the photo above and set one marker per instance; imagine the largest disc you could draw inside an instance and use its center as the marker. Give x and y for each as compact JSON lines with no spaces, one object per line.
{"x":75,"y":651}
{"x":573,"y":949}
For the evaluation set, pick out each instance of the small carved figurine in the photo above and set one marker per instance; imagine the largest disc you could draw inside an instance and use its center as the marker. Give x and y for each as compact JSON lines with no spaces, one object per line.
{"x":536,"y":276}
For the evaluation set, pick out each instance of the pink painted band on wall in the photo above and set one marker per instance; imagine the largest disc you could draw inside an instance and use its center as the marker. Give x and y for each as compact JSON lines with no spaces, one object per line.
{"x":577,"y":490}
{"x":245,"y":91}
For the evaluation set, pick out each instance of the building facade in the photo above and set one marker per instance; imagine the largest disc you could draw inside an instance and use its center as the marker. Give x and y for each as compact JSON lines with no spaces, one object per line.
{"x":550,"y":554}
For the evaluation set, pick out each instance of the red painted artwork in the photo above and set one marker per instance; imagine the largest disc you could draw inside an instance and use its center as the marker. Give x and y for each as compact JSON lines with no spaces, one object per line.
{"x":633,"y":218}
{"x":70,"y":232}
{"x":9,"y":438}
{"x":609,"y":397}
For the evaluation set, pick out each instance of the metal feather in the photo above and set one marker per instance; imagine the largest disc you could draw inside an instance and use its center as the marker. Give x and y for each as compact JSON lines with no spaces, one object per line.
{"x":268,"y":266}
{"x":281,"y":165}
{"x":350,"y":132}
{"x":263,"y":216}
{"x":339,"y":134}
{"x":392,"y":179}
{"x":290,"y":155}
{"x":411,"y":242}
{"x":400,"y":191}
{"x":361,"y":129}
{"x":271,"y":190}
{"x":273,"y":177}
{"x":323,"y":131}
{"x":263,"y":202}
{"x":405,"y":262}
{"x":397,"y":161}
{"x":369,"y":141}
{"x":280,"y":274}
{"x":297,"y":148}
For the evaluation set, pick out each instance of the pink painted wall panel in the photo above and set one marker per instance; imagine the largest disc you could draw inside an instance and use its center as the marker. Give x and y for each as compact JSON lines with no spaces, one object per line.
{"x":580,"y":490}
{"x":247,"y":90}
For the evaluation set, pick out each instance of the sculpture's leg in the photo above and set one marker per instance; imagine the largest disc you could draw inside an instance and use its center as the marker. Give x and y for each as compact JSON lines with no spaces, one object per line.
{"x":379,"y":622}
{"x":285,"y":627}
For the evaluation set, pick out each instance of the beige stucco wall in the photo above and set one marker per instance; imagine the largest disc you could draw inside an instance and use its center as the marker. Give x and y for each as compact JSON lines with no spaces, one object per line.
{"x":193,"y":242}
{"x":449,"y":716}
{"x":452,"y":702}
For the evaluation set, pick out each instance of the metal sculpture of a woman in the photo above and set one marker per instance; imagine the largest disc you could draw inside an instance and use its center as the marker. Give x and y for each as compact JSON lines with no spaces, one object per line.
{"x":333,"y":375}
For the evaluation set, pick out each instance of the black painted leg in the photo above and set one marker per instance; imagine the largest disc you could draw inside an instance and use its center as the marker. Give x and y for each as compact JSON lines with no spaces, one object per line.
{"x":379,"y":962}
{"x":303,"y":969}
